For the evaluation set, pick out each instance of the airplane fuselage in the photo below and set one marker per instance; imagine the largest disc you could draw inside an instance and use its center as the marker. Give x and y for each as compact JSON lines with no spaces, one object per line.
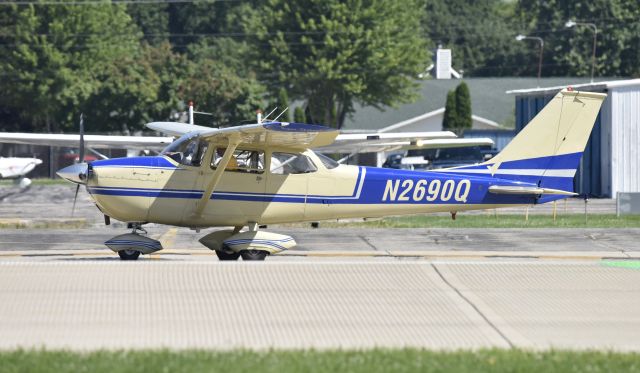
{"x":161,"y":190}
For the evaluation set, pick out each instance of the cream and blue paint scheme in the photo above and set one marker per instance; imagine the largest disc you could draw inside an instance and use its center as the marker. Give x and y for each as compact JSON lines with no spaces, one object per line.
{"x":267,"y":173}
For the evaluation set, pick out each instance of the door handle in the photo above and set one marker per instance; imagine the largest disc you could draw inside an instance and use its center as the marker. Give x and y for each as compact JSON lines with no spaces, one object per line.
{"x":258,"y":178}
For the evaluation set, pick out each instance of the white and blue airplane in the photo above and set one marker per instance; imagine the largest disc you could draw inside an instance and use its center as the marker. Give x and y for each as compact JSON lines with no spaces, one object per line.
{"x":267,"y":173}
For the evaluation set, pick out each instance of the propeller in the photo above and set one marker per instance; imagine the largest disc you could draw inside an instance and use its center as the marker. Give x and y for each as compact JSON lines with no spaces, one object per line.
{"x":80,"y":160}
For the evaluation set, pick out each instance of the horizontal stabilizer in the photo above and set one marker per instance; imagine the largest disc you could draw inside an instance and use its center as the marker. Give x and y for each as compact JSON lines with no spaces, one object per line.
{"x":503,"y":189}
{"x":391,"y":141}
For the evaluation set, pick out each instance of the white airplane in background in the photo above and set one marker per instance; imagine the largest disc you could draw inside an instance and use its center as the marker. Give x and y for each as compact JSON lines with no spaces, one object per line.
{"x":16,"y":168}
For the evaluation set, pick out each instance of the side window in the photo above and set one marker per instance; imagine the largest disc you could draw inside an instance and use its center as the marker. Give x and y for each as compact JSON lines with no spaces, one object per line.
{"x":288,"y":163}
{"x":198,"y":156}
{"x":249,"y":161}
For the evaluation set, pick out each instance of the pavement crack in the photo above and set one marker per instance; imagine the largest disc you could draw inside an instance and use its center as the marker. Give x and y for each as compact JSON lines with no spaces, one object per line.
{"x":486,"y":319}
{"x":368,"y":243}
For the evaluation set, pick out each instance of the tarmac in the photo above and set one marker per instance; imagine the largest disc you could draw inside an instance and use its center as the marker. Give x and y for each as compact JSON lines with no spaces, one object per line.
{"x":340,"y":288}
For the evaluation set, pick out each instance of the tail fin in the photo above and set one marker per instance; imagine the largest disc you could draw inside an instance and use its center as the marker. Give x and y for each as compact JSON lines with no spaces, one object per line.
{"x":547,"y":151}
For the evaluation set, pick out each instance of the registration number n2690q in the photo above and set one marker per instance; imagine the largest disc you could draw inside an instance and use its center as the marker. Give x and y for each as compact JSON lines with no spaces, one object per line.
{"x":427,"y":190}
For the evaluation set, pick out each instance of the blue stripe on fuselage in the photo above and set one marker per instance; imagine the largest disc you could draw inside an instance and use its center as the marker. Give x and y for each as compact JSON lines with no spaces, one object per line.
{"x":150,"y":162}
{"x":408,"y":187}
{"x":556,"y":162}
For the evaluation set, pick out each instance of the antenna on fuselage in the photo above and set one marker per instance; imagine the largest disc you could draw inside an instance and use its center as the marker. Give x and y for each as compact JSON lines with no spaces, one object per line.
{"x":267,"y":116}
{"x":283,"y":111}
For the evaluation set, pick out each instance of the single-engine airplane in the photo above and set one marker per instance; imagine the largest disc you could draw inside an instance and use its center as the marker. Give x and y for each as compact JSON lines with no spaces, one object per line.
{"x":267,"y":173}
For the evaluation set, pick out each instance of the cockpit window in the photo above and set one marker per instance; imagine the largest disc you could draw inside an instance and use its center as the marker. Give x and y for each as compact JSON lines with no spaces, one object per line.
{"x":327,"y":162}
{"x":187,"y":150}
{"x":288,"y":163}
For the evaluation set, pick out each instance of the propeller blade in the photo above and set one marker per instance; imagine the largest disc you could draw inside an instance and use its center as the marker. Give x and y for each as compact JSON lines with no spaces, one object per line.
{"x":73,"y":209}
{"x":81,"y":158}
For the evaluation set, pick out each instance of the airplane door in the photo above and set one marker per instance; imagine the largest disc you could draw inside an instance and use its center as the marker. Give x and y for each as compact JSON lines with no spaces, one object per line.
{"x":287,"y":184}
{"x":239,"y":196}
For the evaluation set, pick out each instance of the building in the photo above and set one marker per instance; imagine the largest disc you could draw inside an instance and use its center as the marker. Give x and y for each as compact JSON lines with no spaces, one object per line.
{"x":488,"y":101}
{"x":493,"y":112}
{"x":611,"y":161}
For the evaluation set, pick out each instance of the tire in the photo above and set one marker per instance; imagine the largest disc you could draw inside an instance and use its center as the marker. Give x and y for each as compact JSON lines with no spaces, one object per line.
{"x":129,"y":254}
{"x":253,"y":254}
{"x":223,"y":255}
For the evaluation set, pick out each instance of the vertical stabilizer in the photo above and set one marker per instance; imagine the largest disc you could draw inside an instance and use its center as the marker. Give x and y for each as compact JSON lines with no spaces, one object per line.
{"x":548,"y":150}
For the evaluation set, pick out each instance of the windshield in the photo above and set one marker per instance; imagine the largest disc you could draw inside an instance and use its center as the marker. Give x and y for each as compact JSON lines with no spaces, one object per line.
{"x":188,"y":150}
{"x":326,"y":161}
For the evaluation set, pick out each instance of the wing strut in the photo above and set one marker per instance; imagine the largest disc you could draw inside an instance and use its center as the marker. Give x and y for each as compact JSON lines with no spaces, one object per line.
{"x":206,"y":196}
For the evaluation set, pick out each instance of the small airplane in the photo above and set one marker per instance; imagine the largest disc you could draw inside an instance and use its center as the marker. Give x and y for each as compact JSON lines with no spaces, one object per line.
{"x":267,"y":173}
{"x":16,"y":168}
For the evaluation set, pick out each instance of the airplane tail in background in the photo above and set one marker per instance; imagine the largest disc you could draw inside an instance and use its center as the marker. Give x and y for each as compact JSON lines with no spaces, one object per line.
{"x":548,"y":150}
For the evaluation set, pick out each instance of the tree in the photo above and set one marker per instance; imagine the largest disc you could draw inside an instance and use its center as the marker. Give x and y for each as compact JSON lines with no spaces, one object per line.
{"x":137,"y":89}
{"x":457,"y":110}
{"x":217,"y":89}
{"x":570,"y":49}
{"x":479,"y":33}
{"x":333,"y":53}
{"x":283,"y":103}
{"x":152,"y":19}
{"x":298,"y":115}
{"x":450,"y":120}
{"x":57,"y":54}
{"x":202,"y":21}
{"x":463,"y":108}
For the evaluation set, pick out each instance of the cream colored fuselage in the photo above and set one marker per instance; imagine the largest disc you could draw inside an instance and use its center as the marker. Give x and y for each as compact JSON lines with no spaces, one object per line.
{"x":169,"y":195}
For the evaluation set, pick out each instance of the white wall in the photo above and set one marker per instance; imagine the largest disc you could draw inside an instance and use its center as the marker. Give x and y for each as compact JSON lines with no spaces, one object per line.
{"x":625,"y":139}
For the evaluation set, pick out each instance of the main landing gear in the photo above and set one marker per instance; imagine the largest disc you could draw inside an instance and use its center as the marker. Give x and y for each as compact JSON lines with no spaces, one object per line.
{"x":250,"y":245}
{"x":129,"y":246}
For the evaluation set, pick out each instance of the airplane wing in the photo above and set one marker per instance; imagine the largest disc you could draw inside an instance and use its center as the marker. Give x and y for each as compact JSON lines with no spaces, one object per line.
{"x":390,"y":141}
{"x":91,"y":141}
{"x":297,"y":136}
{"x":175,"y":128}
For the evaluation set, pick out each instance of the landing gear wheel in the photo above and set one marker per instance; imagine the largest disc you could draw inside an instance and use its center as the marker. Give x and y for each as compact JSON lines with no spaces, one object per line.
{"x":129,"y":254}
{"x":253,"y":254}
{"x":222,"y":255}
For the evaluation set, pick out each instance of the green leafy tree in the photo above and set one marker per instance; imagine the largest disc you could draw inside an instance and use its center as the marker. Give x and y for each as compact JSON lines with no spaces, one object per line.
{"x":570,"y":49}
{"x":298,"y":115}
{"x":450,"y":120}
{"x":463,"y":108}
{"x":203,"y":21}
{"x":57,"y":54}
{"x":220,"y":82}
{"x":217,"y":89}
{"x":479,"y":33}
{"x":334,"y":53}
{"x":283,"y":103}
{"x":457,"y":110}
{"x":138,"y":89}
{"x":152,"y":19}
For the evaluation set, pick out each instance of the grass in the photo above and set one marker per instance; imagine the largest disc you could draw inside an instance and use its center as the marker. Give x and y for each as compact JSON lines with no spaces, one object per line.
{"x":43,"y":181}
{"x":369,"y":361}
{"x":42,"y":223}
{"x":495,"y":221}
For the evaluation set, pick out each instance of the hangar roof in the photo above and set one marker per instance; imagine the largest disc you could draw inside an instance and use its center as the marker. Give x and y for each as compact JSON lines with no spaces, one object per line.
{"x":595,"y":86}
{"x":488,"y":100}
